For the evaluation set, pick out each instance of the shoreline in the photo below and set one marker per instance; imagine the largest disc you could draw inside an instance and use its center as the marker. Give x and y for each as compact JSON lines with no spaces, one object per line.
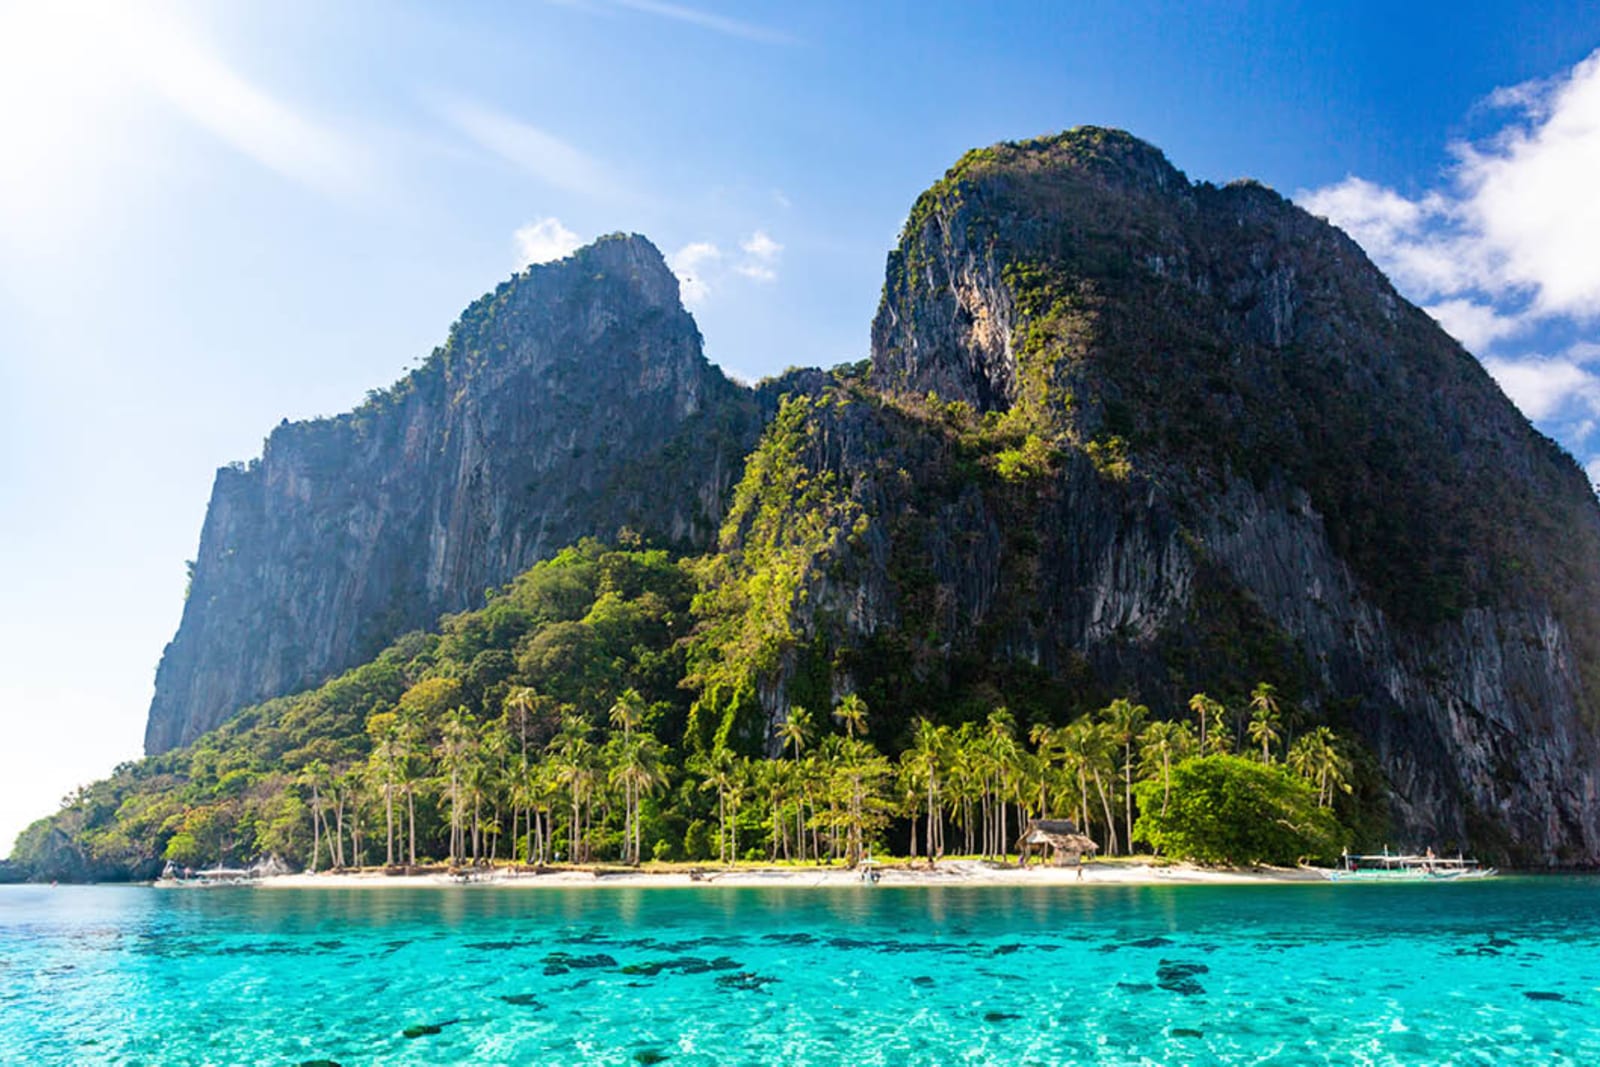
{"x":949,"y":873}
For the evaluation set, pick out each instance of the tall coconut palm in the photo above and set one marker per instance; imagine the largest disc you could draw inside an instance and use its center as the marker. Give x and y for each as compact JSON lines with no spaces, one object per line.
{"x":852,"y":714}
{"x":924,"y":763}
{"x":1047,"y":746}
{"x":1265,"y":718}
{"x":457,"y":751}
{"x":1213,"y":718}
{"x":719,"y":771}
{"x":1003,"y":754}
{"x":795,"y":730}
{"x":794,"y":735}
{"x":388,"y":754}
{"x":1316,"y":757}
{"x":1125,"y":719}
{"x":520,"y":705}
{"x":572,"y":758}
{"x":1088,"y":746}
{"x":313,"y":775}
{"x":1161,"y":745}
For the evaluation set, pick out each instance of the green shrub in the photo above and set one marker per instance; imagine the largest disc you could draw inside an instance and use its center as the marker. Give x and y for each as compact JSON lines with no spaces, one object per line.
{"x":1226,"y":809}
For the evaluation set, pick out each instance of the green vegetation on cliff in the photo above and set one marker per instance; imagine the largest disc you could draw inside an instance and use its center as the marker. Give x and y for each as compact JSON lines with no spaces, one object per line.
{"x":557,"y":722}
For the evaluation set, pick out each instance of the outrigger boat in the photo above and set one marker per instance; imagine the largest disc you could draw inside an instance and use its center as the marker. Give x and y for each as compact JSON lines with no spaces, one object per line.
{"x":1404,"y":867}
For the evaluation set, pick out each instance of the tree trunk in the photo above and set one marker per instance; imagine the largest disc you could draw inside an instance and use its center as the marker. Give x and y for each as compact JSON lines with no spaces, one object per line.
{"x":316,"y":823}
{"x":1127,"y":793}
{"x":1105,"y":804}
{"x":411,"y":820}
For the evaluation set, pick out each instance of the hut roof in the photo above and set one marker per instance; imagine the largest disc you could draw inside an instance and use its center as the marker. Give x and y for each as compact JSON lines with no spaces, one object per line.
{"x":1059,"y":834}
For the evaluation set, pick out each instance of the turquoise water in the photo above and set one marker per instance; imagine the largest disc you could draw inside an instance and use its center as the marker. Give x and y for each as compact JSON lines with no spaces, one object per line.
{"x":1502,"y":971}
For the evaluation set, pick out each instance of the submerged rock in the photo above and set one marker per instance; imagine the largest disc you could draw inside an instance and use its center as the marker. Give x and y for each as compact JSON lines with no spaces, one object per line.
{"x":522,"y":1000}
{"x":1179,"y":977}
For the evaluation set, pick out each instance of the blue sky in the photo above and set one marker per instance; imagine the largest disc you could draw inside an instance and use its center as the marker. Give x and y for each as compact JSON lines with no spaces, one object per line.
{"x":213,"y":217}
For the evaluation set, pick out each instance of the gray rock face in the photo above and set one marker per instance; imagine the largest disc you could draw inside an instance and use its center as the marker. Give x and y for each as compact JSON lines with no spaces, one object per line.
{"x":1325,"y":490}
{"x":571,"y":402}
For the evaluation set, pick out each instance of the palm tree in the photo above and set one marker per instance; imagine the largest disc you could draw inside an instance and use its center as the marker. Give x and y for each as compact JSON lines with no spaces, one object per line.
{"x":795,"y":731}
{"x":1316,"y":757}
{"x":1265,"y":717}
{"x":492,"y":780}
{"x":794,"y":734}
{"x":1213,"y":730}
{"x":719,"y":771}
{"x":412,"y":738}
{"x":1002,"y":752}
{"x":1088,"y":747}
{"x":388,"y":754}
{"x":1125,"y":720}
{"x":314,"y":774}
{"x":520,"y":704}
{"x":852,"y":712}
{"x":572,"y":759}
{"x":457,"y":748}
{"x":1160,"y":746}
{"x":924,"y":764}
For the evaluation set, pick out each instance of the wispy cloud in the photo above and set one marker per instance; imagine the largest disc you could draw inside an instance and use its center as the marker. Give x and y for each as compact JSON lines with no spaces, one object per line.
{"x":691,"y":263}
{"x":693,"y":16}
{"x":544,"y":240}
{"x":1476,"y":325}
{"x":536,"y":152}
{"x":194,"y":78}
{"x":760,"y":257}
{"x":67,"y":67}
{"x":1546,"y":387}
{"x":703,"y":268}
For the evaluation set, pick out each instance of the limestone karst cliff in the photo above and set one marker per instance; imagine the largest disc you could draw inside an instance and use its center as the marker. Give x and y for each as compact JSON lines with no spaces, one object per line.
{"x":1125,"y":433}
{"x":1120,"y":434}
{"x":572,"y":401}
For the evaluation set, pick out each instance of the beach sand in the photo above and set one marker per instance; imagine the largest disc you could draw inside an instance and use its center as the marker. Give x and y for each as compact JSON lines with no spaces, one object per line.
{"x":951,"y":872}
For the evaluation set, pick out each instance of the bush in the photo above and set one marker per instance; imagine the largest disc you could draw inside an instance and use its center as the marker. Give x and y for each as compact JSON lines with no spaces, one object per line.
{"x":1226,"y":809}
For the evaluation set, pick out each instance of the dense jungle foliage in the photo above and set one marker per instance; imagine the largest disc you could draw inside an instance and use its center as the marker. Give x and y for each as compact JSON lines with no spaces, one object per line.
{"x":554,"y":725}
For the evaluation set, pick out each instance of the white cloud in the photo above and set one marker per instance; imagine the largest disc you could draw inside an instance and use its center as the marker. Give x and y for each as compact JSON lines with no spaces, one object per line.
{"x":1530,"y":193}
{"x":760,"y":261}
{"x":1503,"y":253}
{"x":1477,"y":326}
{"x":1547,"y":387}
{"x":544,"y":240}
{"x":703,"y":268}
{"x":1594,"y":471}
{"x":536,"y":152}
{"x":1516,"y":226}
{"x":1407,"y":238}
{"x":691,"y":264}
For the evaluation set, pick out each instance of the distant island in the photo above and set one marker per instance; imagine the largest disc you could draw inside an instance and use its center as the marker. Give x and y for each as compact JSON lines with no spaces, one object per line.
{"x":1155,"y":510}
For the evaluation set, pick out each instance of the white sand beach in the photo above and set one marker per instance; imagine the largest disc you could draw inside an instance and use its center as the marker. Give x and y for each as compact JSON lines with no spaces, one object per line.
{"x":949,"y":873}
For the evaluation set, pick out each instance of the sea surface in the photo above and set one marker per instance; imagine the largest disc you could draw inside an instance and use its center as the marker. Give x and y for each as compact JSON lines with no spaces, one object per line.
{"x":1494,"y":972}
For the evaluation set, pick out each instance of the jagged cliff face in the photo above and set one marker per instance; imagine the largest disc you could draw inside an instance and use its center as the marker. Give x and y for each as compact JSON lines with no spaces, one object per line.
{"x":571,"y":402}
{"x":1258,"y":462}
{"x":1122,"y":434}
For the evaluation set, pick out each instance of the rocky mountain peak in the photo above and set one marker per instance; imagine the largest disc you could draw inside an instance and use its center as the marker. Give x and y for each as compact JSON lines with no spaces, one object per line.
{"x":558,"y":406}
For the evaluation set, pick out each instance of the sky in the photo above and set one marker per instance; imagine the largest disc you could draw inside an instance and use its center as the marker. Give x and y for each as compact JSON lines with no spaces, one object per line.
{"x":217,"y":216}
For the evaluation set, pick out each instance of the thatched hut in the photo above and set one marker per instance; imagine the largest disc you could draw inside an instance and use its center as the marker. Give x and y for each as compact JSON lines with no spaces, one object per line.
{"x":1061,"y":836}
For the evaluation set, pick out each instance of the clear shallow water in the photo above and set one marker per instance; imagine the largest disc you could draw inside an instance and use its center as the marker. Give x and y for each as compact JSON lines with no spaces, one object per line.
{"x":1496,"y":972}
